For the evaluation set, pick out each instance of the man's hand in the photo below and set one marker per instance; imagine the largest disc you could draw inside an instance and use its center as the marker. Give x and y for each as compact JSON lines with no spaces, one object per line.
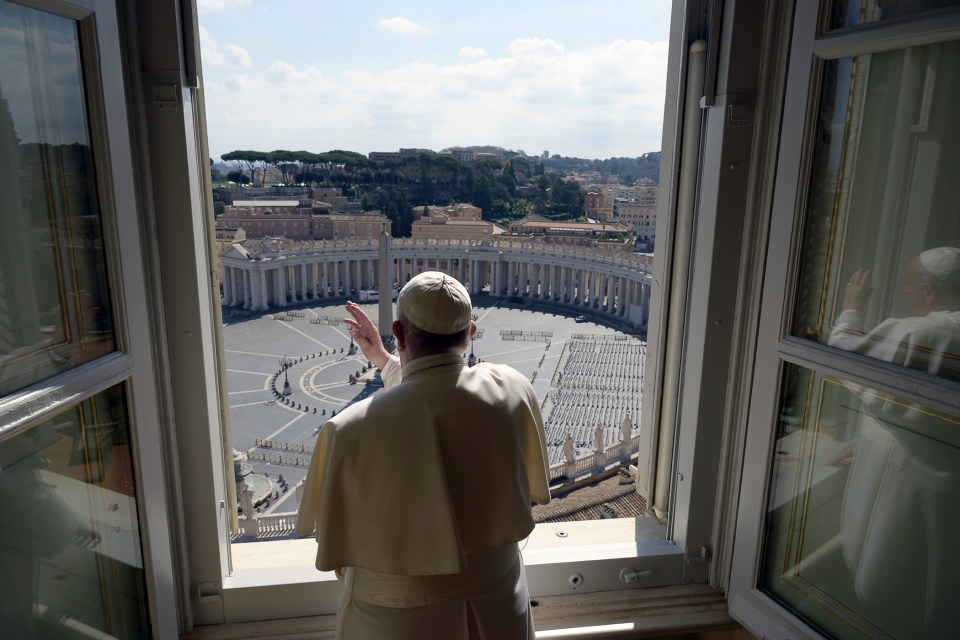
{"x":857,"y":292}
{"x":365,"y":334}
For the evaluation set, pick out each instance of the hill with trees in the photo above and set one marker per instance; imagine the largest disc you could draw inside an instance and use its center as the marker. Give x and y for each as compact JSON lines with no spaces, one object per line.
{"x":506,"y":187}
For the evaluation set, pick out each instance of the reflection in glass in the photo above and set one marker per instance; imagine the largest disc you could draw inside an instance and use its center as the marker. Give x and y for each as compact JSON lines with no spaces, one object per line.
{"x":862,"y":521}
{"x":70,"y":556}
{"x":881,"y":266}
{"x":850,"y":13}
{"x":55,"y":310}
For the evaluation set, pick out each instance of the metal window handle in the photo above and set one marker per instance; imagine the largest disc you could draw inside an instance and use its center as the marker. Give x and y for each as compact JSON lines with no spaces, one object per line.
{"x":628,"y":575}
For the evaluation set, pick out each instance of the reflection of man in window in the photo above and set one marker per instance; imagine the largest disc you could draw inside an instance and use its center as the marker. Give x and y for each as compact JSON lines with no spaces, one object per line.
{"x":420,"y":494}
{"x":930,"y":338}
{"x":899,"y":519}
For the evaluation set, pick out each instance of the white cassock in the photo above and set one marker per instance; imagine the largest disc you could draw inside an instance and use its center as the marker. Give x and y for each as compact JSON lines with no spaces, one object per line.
{"x":900,"y":507}
{"x":419,"y":496}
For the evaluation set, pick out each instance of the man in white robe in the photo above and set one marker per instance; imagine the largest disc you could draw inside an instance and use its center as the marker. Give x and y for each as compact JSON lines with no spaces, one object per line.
{"x":899,"y":517}
{"x":420,"y":494}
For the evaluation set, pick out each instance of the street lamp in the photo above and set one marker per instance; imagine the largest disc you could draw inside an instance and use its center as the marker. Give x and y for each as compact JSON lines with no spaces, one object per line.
{"x":286,"y":363}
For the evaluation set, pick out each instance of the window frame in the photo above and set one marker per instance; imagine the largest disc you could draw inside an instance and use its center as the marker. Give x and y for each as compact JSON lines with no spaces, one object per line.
{"x":133,"y":363}
{"x":776,"y":347}
{"x":177,"y":220}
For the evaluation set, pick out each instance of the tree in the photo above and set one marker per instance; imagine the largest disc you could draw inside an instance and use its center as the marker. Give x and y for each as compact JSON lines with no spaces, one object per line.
{"x":287,"y":162}
{"x":241,"y":162}
{"x":238,"y":177}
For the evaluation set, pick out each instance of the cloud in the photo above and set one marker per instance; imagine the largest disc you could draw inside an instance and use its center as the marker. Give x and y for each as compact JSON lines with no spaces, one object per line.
{"x":472,"y":52}
{"x":236,"y":82}
{"x":294,"y":82}
{"x":600,"y":101}
{"x":401,"y":25}
{"x":209,"y":51}
{"x":237,"y":55}
{"x":535,"y":47}
{"x":216,"y":6}
{"x":230,"y":55}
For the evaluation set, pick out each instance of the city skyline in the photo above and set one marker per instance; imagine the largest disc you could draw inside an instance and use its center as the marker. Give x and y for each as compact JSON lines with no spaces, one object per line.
{"x":577,"y":81}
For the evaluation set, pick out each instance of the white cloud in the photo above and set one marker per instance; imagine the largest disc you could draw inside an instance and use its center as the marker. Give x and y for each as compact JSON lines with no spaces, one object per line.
{"x":236,"y":82}
{"x":597,"y":102}
{"x":401,"y":25}
{"x":209,"y":51}
{"x":472,"y":52}
{"x":535,"y":47}
{"x":216,"y":6}
{"x":237,"y":55}
{"x":230,"y":55}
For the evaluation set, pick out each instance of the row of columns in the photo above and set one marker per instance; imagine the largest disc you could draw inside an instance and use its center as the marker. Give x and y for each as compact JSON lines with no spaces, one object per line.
{"x":279,"y":283}
{"x":579,"y":286}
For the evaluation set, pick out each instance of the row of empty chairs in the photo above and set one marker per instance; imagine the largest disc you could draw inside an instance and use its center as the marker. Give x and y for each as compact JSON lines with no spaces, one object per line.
{"x":597,"y":383}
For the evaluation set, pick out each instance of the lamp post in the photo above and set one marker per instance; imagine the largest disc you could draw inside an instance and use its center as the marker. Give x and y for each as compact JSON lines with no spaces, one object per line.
{"x":472,"y":359}
{"x":286,"y":363}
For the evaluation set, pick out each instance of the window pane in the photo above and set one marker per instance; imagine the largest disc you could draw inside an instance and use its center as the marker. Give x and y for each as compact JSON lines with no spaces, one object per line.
{"x":862,"y":523}
{"x":55,"y":310}
{"x":884,"y":194}
{"x":70,"y":556}
{"x":850,"y":13}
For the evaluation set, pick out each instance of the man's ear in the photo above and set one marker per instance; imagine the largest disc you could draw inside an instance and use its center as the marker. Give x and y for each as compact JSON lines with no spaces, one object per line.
{"x":397,"y":329}
{"x":473,"y":330}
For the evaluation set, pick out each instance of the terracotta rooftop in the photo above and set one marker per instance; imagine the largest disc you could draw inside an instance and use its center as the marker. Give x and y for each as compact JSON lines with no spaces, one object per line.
{"x":604,"y":499}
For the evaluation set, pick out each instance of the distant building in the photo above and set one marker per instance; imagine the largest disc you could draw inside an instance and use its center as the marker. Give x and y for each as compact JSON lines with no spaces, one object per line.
{"x":380,"y":156}
{"x":577,"y":233}
{"x":226,"y":235}
{"x":453,"y":222}
{"x":299,"y":220}
{"x":333,"y":195}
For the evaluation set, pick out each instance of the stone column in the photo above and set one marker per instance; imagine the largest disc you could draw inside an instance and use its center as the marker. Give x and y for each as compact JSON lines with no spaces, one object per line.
{"x":312,"y":280}
{"x":607,"y":300}
{"x":284,"y":285}
{"x":264,"y":302}
{"x":226,"y":278}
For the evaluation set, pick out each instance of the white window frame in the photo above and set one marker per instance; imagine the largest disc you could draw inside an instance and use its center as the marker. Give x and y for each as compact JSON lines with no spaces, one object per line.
{"x":134,"y":364}
{"x":776,"y":347}
{"x":713,"y":324}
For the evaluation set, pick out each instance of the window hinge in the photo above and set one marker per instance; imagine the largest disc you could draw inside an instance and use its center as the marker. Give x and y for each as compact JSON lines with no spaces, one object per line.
{"x":696,"y":555}
{"x":739,"y":115}
{"x":165,"y":96}
{"x":208,"y":592}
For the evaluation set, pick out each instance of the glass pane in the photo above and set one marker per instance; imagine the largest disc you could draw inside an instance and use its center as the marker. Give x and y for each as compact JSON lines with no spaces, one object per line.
{"x":850,"y":13}
{"x":70,"y":556}
{"x":862,"y":522}
{"x":55,"y":309}
{"x":881,"y":268}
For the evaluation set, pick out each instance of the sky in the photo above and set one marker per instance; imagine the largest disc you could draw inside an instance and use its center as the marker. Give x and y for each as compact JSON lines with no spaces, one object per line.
{"x":574,"y":78}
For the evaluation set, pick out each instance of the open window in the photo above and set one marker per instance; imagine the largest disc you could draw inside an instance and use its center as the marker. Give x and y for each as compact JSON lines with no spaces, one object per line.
{"x":852,"y":432}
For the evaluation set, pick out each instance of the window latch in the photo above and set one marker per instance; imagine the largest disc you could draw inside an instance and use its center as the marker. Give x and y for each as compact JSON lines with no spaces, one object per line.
{"x":696,"y":555}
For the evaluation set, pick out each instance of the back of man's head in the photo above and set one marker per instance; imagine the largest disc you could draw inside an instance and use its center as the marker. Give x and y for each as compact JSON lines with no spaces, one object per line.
{"x":435,"y":311}
{"x":941,"y":269}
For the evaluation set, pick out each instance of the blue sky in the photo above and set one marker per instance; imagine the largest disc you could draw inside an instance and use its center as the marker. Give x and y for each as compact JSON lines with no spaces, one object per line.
{"x":575,"y":78}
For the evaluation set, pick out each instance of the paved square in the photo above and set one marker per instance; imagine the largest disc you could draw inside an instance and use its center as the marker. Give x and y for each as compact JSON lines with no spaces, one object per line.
{"x":531,"y":338}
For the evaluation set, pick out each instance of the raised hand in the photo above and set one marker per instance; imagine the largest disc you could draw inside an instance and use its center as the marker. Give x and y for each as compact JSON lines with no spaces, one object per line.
{"x":857,"y":292}
{"x":366,"y":335}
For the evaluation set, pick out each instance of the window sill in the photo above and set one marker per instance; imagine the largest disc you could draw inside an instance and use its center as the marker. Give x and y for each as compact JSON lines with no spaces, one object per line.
{"x":613,"y":615}
{"x":277,"y":579}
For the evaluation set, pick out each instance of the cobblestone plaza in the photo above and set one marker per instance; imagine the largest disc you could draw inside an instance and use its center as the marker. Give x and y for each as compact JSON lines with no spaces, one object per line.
{"x":277,"y":432}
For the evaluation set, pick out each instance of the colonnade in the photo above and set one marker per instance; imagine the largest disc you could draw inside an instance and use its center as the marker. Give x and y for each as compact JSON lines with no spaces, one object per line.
{"x":615,"y":287}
